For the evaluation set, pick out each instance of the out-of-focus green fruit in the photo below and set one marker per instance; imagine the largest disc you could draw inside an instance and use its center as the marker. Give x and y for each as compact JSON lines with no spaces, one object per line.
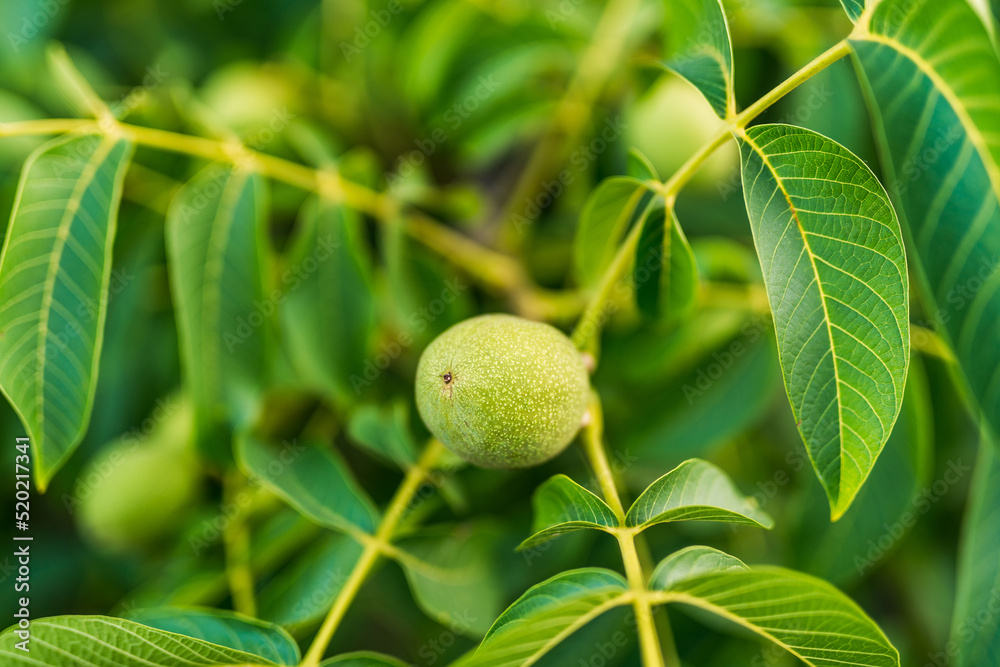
{"x":140,"y":487}
{"x":670,"y":122}
{"x":501,"y":391}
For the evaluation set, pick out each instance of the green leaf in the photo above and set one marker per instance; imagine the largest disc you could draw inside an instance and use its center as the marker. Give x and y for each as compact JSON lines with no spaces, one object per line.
{"x":310,"y":478}
{"x":832,"y":257}
{"x":611,"y":209}
{"x":638,"y":166}
{"x":100,"y":641}
{"x":54,"y":273}
{"x":806,"y":616}
{"x":547,"y":613}
{"x":842,"y":552}
{"x":695,"y":490}
{"x":700,"y":51}
{"x":853,"y":8}
{"x":665,"y":273}
{"x":304,"y":591}
{"x":224,"y":628}
{"x":363,"y":659}
{"x":215,"y":238}
{"x":329,"y":309}
{"x":975,"y":627}
{"x":937,"y":115}
{"x":689,"y":563}
{"x":562,"y":506}
{"x":454,"y":576}
{"x":385,"y":432}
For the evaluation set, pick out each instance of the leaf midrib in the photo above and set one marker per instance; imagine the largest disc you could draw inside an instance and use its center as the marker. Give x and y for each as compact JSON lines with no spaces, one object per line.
{"x":87,"y":176}
{"x":826,"y":314}
{"x":953,"y":99}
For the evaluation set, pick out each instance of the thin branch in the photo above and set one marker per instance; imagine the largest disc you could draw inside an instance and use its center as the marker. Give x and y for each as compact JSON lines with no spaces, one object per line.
{"x":373,"y":548}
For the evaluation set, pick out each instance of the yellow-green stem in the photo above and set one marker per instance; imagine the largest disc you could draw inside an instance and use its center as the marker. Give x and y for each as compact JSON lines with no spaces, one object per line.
{"x":237,"y":540}
{"x":649,"y":640}
{"x":591,"y":320}
{"x":373,"y":548}
{"x":496,"y":270}
{"x":573,"y":110}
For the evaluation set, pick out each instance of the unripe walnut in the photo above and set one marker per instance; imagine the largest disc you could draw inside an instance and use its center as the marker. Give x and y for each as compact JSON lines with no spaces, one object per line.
{"x":501,"y":391}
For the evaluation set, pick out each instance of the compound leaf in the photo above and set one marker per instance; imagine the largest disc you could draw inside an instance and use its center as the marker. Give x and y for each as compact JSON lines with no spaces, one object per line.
{"x":54,"y":274}
{"x":692,"y":562}
{"x":545,"y":614}
{"x":832,"y":257}
{"x":224,"y":628}
{"x":453,"y":576}
{"x":363,"y":659}
{"x":933,"y":84}
{"x":561,"y":506}
{"x":854,"y":8}
{"x":98,"y":641}
{"x":612,"y":208}
{"x":215,"y":239}
{"x":978,"y":586}
{"x":806,"y":616}
{"x":329,"y":308}
{"x":665,"y":273}
{"x":695,"y":490}
{"x":699,"y":50}
{"x":312,"y":479}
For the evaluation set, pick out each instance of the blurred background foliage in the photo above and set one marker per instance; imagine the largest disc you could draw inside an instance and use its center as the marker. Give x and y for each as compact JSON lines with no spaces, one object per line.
{"x":442,"y":102}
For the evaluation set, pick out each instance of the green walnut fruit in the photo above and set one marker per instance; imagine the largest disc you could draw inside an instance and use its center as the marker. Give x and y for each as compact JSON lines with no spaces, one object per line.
{"x":501,"y":391}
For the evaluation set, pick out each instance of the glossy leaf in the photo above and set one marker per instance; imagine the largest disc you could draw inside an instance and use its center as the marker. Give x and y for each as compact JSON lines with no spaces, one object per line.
{"x":692,"y":562}
{"x":807,"y":616}
{"x":363,"y":659}
{"x":665,"y":274}
{"x":700,"y":51}
{"x":329,"y":310}
{"x":99,"y":641}
{"x":933,"y":84}
{"x":547,"y":612}
{"x":215,"y":237}
{"x":853,"y":8}
{"x":561,"y":506}
{"x":224,"y":628}
{"x":613,"y":207}
{"x":695,"y":490}
{"x":305,"y":590}
{"x":54,"y":273}
{"x":310,"y":478}
{"x":454,"y":576}
{"x":384,"y":432}
{"x":832,"y":257}
{"x":975,"y":627}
